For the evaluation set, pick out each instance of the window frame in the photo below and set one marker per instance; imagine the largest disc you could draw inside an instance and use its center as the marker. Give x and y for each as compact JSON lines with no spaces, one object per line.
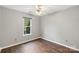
{"x":27,"y":26}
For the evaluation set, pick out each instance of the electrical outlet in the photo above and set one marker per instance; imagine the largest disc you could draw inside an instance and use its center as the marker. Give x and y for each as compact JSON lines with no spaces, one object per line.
{"x":66,"y":40}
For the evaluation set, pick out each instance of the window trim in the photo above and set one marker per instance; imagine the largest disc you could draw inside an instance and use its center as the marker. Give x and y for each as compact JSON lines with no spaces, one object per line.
{"x":28,"y":26}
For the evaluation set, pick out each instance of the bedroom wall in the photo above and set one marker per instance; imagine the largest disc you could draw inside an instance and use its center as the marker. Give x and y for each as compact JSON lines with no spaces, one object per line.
{"x":1,"y":27}
{"x":62,"y":27}
{"x":12,"y":30}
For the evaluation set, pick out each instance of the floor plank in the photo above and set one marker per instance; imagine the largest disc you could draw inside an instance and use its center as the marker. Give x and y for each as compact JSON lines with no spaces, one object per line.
{"x":38,"y":46}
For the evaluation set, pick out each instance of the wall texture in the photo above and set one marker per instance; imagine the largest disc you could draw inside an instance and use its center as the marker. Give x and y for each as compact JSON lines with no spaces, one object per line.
{"x":62,"y":27}
{"x":12,"y":30}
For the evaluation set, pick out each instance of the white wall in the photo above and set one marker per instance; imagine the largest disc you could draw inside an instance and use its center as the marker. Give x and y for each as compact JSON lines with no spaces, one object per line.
{"x":62,"y":26}
{"x":13,"y":27}
{"x":1,"y":26}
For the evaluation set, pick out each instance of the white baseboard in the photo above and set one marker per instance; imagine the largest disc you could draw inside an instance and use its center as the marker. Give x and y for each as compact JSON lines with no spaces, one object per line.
{"x":18,"y":43}
{"x":62,"y":44}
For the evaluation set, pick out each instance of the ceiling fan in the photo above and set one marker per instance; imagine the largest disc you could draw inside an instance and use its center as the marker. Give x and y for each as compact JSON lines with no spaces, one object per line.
{"x":39,"y":9}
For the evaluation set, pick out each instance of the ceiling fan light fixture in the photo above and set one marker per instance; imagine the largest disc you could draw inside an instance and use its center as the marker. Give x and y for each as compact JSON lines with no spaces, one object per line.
{"x":38,"y":12}
{"x":39,"y":9}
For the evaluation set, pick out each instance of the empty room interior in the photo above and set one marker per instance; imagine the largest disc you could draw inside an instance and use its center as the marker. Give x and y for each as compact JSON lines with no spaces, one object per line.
{"x":39,"y":29}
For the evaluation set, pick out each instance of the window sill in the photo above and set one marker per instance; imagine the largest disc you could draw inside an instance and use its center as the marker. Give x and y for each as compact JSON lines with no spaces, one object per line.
{"x":26,"y":34}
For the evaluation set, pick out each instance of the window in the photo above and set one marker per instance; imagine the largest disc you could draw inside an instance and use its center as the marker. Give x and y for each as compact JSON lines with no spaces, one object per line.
{"x":27,"y":25}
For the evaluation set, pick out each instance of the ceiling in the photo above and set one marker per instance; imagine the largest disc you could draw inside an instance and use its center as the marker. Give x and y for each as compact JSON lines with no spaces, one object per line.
{"x":30,"y":9}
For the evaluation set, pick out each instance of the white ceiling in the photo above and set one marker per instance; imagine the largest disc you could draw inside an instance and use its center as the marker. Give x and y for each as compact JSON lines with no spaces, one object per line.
{"x":30,"y":9}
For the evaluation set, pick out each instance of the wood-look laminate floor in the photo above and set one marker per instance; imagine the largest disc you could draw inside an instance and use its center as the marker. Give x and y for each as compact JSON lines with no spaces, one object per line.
{"x":38,"y":46}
